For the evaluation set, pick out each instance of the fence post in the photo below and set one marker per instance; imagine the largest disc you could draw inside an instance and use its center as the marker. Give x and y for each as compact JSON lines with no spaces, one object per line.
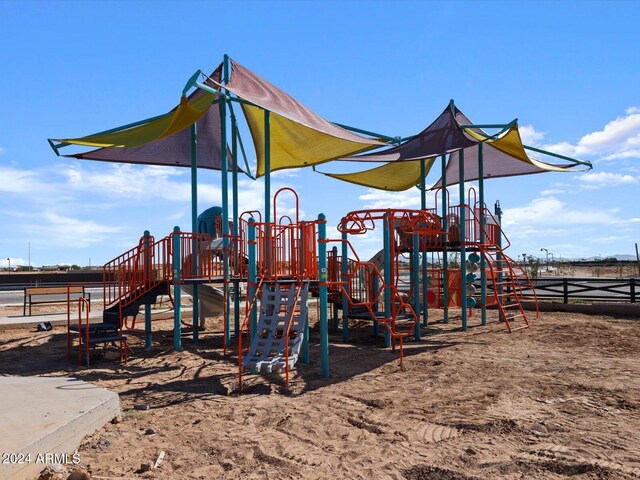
{"x":633,"y":289}
{"x":565,"y":290}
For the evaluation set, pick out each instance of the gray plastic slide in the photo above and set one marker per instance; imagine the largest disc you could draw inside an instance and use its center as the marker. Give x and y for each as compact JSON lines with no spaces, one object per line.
{"x":211,"y":299}
{"x":267,"y":349}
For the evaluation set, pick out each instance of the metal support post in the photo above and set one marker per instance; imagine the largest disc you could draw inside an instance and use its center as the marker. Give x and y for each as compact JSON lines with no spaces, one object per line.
{"x":376,"y":324}
{"x":463,"y":237}
{"x":267,"y":191}
{"x":235,"y":229}
{"x":194,"y":228}
{"x":147,"y":276}
{"x":251,"y":284}
{"x":225,"y":206}
{"x":344,"y":278}
{"x":336,"y":320}
{"x":177,"y":277}
{"x":498,"y":213}
{"x":415,"y":282}
{"x":322,"y":269}
{"x":388,"y":274}
{"x":425,"y":272}
{"x":445,"y":229}
{"x":305,"y":338}
{"x":483,"y":226}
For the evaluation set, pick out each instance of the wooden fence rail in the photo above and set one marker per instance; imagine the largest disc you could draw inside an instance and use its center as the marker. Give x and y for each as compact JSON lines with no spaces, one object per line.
{"x":595,"y":289}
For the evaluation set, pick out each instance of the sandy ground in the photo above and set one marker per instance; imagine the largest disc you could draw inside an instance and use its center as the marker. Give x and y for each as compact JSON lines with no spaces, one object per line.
{"x":559,"y":400}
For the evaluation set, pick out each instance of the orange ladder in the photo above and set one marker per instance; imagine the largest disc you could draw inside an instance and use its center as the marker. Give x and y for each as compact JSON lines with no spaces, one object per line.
{"x":507,"y":287}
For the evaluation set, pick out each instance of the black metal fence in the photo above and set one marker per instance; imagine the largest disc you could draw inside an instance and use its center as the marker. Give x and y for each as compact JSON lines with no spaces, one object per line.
{"x":591,"y":289}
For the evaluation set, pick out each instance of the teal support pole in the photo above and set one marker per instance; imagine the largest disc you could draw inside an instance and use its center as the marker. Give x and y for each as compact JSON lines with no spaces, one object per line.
{"x":305,"y":338}
{"x":376,"y":324}
{"x":415,"y":282}
{"x":483,"y":226}
{"x":425,"y":271}
{"x":177,"y":277}
{"x":344,"y":267}
{"x":322,"y":269}
{"x":388,"y":275}
{"x":334,"y":256}
{"x":147,"y":306}
{"x":194,"y":228}
{"x":267,"y":189}
{"x":498,"y":213}
{"x":224,"y":167}
{"x":463,"y":236}
{"x":252,"y":285}
{"x":235,"y":230}
{"x":445,"y":253}
{"x":305,"y":343}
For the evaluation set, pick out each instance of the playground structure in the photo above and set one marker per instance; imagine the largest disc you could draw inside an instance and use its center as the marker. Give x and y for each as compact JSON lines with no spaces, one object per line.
{"x":283,"y":259}
{"x":280,"y":264}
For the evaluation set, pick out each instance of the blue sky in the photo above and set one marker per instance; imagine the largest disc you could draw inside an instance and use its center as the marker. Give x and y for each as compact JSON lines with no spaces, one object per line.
{"x":567,"y":70}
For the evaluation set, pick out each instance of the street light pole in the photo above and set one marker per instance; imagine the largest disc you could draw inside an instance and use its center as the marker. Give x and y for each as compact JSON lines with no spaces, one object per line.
{"x":9,"y":260}
{"x":547,"y":252}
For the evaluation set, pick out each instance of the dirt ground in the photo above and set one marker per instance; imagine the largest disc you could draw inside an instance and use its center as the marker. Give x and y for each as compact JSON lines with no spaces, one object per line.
{"x":561,"y":399}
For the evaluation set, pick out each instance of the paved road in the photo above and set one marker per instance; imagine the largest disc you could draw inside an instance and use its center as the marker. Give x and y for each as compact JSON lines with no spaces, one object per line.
{"x":16,"y":297}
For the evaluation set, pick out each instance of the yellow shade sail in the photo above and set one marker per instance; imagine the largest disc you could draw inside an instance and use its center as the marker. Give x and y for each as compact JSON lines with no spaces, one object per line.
{"x":181,"y":117}
{"x":293,"y":145}
{"x":393,"y":176}
{"x":511,"y":144}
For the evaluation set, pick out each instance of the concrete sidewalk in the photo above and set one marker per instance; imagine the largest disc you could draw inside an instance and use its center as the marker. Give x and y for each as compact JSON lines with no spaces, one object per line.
{"x":44,"y":420}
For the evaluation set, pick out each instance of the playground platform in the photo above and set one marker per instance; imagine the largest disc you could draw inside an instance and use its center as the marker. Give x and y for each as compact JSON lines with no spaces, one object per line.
{"x":45,"y":419}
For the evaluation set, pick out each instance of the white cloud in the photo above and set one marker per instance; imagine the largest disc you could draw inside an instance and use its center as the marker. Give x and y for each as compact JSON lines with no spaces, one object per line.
{"x":607,"y":240}
{"x":15,"y":262}
{"x":68,"y":231}
{"x":382,"y":199}
{"x":562,"y":148}
{"x":133,"y":182}
{"x":530,"y":136}
{"x":286,"y":173}
{"x":551,"y":212}
{"x":15,"y":180}
{"x":619,"y":139}
{"x":552,"y":191}
{"x":594,"y":181}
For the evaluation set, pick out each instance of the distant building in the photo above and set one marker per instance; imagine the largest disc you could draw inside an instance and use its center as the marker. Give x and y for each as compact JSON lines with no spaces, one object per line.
{"x":56,"y":268}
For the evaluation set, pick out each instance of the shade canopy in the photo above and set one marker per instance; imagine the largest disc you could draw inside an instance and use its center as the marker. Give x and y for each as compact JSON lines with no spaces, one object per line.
{"x":181,"y":117}
{"x":393,"y":176}
{"x":164,"y":140}
{"x":442,"y":136}
{"x":502,"y":156}
{"x":298,"y":136}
